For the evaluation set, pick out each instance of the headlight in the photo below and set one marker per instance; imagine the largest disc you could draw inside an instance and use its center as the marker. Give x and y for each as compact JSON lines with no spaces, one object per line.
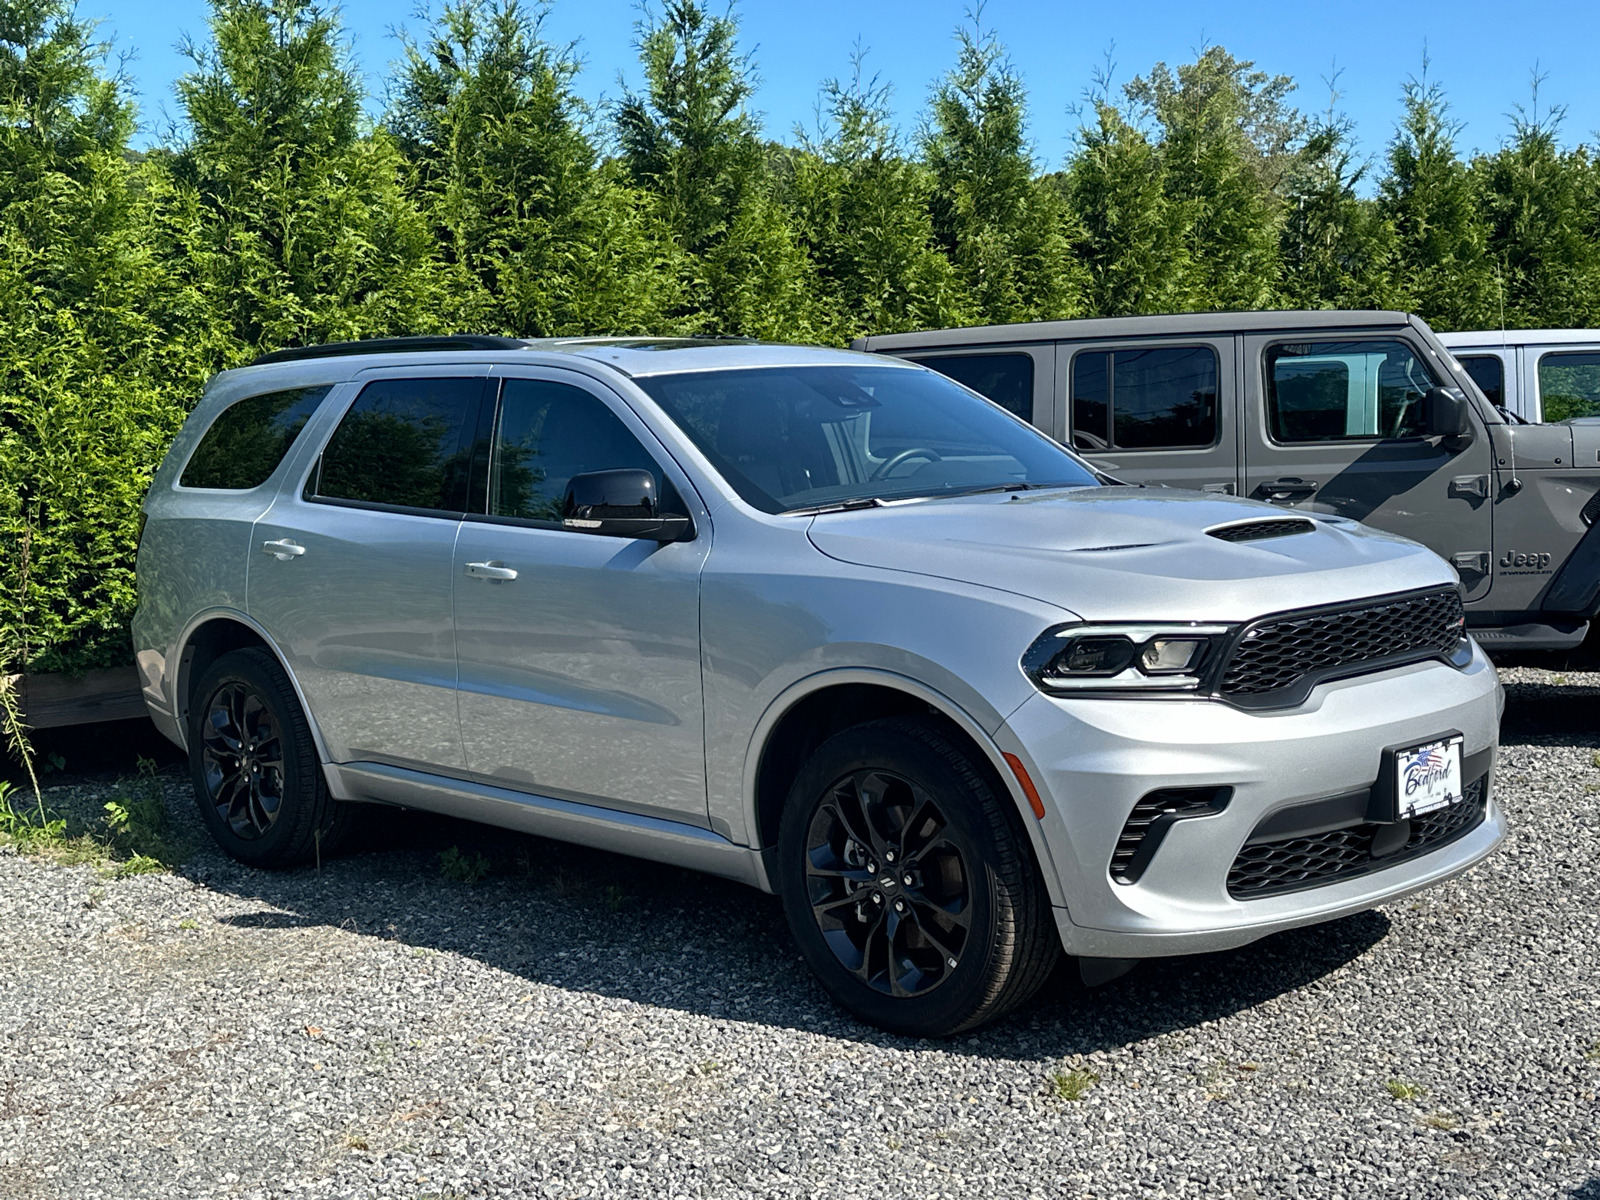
{"x":1143,"y":658}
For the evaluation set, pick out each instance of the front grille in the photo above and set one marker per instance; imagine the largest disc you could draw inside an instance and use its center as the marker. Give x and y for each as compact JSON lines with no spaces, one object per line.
{"x":1150,"y":819}
{"x":1271,"y":868}
{"x":1279,"y":652}
{"x":1251,"y":531}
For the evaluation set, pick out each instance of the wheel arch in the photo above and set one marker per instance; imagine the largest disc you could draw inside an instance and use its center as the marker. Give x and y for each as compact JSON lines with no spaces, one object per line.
{"x":207,"y":638}
{"x":813,"y":709}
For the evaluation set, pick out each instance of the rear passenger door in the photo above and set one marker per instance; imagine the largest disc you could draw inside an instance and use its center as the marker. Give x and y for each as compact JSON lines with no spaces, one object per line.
{"x":351,"y":571}
{"x":1154,"y":411}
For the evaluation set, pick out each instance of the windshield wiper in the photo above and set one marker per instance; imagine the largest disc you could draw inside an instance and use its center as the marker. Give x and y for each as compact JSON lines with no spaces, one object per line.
{"x":837,"y":506}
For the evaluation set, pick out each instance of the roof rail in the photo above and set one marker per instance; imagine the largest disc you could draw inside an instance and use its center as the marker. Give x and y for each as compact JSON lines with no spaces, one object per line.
{"x":394,"y":345}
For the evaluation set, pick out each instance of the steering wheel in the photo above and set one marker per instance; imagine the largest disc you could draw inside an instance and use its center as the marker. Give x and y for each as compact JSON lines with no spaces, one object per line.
{"x":904,"y":456}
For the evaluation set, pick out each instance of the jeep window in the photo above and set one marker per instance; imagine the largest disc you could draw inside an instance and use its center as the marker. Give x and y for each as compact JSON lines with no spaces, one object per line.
{"x":789,"y":438}
{"x":1007,"y":379}
{"x":1489,"y":373}
{"x":546,"y":434}
{"x":1569,"y":385}
{"x":248,"y":440}
{"x":1164,"y":398}
{"x":1345,"y":391}
{"x":402,"y":445}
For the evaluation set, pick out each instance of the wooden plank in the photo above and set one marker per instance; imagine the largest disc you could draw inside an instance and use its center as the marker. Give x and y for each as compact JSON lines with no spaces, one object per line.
{"x":50,"y":701}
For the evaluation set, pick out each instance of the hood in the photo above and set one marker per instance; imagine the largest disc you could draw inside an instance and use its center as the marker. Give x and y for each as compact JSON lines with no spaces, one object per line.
{"x":1126,"y":553}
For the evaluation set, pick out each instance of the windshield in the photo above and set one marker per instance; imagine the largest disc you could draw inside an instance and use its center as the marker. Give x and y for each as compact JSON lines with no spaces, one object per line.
{"x":789,"y":438}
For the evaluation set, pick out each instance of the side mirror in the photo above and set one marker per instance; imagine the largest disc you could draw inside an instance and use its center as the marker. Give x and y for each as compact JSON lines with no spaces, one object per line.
{"x":621,"y":504}
{"x":1446,"y":414}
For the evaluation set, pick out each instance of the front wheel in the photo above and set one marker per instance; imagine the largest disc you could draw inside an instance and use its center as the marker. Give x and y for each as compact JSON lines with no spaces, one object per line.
{"x":909,"y":884}
{"x":256,"y":776}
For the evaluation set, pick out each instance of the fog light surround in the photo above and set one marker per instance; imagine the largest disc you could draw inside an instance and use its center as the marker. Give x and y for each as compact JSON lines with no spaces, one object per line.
{"x":1162,"y":658}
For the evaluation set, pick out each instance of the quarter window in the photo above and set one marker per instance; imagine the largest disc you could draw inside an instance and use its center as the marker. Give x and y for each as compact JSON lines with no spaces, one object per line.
{"x":249,"y":439}
{"x":1346,"y":391}
{"x":405,"y":443}
{"x":1489,"y":373}
{"x":1007,"y":379}
{"x":1569,"y":385}
{"x":547,"y":433}
{"x":1164,"y":398}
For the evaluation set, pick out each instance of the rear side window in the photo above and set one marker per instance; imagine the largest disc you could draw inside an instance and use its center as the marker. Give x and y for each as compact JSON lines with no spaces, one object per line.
{"x":1346,"y":391}
{"x":405,"y":443}
{"x":1007,"y":379}
{"x":1489,"y":373}
{"x":1164,"y":398}
{"x":248,"y":440}
{"x":547,"y":433}
{"x":1569,"y":385}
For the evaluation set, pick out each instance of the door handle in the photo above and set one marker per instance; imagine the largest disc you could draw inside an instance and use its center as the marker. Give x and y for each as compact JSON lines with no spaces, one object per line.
{"x":1218,"y":489}
{"x":489,"y":570}
{"x":283,"y":549}
{"x":1284,"y":491}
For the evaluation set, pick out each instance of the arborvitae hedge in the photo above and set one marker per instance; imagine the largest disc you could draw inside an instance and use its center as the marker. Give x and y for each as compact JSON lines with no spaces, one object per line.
{"x":490,"y":197}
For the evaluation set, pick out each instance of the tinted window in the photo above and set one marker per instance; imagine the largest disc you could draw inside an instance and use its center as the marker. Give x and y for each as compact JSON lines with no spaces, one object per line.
{"x":547,"y":433}
{"x":1488,"y":372}
{"x":1007,"y":379}
{"x":1164,"y":398}
{"x":1337,"y":391}
{"x":402,"y":444}
{"x":248,"y":440}
{"x":795,"y":437}
{"x":1569,"y":386}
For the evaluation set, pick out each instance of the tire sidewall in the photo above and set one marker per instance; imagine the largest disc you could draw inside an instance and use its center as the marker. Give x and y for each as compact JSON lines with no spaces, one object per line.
{"x":300,"y":769}
{"x":949,"y":1005}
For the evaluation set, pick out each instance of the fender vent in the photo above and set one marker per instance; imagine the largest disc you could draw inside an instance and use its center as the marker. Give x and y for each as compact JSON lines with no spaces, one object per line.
{"x":1255,"y":531}
{"x":1591,"y":510}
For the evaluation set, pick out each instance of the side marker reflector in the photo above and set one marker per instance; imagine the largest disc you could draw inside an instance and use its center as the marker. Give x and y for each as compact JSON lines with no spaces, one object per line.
{"x":1028,"y":790}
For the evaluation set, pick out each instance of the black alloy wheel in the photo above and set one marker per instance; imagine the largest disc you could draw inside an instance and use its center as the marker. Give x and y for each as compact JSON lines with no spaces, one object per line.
{"x":257,"y":778}
{"x":887,"y":883}
{"x":908,"y":881}
{"x":241,"y":753}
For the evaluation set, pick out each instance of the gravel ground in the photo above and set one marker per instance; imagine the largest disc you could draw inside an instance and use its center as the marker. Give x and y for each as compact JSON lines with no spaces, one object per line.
{"x":578,"y":1024}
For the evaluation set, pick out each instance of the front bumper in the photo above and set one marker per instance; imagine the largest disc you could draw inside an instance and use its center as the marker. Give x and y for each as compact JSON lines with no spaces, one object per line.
{"x":1094,"y":759}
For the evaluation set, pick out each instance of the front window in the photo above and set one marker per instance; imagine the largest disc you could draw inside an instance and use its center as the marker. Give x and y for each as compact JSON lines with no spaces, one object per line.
{"x":789,"y":438}
{"x":1569,"y":385}
{"x":1346,"y":391}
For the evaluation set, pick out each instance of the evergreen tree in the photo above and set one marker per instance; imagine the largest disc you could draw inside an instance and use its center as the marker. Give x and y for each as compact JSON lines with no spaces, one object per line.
{"x":1337,"y":250}
{"x":862,"y":209}
{"x":537,"y":238}
{"x":1228,"y":139}
{"x":692,"y":143}
{"x":1132,"y":246}
{"x":1427,"y":195}
{"x":293,"y":225}
{"x":87,"y":379}
{"x":1542,"y":217}
{"x":1007,"y":232}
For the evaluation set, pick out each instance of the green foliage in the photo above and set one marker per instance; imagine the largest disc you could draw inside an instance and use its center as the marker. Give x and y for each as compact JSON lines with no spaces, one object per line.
{"x":131,"y":837}
{"x":463,"y":868}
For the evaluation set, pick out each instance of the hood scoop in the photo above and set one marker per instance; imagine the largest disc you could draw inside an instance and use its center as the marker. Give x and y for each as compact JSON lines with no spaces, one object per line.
{"x":1255,"y":531}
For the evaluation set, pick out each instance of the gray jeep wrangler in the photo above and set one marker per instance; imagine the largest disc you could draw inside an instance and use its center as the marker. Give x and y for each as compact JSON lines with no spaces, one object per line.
{"x":1363,"y":414}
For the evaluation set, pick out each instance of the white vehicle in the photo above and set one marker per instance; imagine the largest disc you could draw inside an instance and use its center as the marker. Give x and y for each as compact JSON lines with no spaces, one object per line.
{"x":1540,"y":375}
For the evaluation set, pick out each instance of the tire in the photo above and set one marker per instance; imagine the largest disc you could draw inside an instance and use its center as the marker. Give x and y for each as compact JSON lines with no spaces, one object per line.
{"x":903,"y":789}
{"x":280,"y":814}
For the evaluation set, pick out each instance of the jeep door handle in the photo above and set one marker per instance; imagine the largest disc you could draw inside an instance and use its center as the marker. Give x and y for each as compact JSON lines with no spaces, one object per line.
{"x":283,"y":549}
{"x":1276,"y":491}
{"x":489,"y":570}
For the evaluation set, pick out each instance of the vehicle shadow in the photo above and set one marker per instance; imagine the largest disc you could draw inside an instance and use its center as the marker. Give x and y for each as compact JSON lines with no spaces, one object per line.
{"x":1540,"y":713}
{"x":591,"y":921}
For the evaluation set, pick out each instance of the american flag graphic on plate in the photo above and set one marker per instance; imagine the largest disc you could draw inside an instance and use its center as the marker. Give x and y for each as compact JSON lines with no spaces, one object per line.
{"x":1428,"y":777}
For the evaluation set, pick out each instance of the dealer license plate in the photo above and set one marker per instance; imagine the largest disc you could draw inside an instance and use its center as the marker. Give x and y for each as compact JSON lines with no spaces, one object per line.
{"x":1427,"y":778}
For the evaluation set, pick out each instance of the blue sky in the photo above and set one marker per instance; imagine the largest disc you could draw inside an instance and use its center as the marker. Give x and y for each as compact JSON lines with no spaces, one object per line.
{"x":1483,"y":53}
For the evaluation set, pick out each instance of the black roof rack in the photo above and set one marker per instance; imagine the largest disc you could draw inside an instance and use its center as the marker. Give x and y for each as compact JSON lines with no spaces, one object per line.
{"x":394,"y":345}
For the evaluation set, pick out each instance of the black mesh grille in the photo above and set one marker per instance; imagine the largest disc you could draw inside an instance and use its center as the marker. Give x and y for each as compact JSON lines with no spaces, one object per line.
{"x":1303,"y":862}
{"x":1278,"y":652}
{"x":1127,"y":864}
{"x":1251,"y":531}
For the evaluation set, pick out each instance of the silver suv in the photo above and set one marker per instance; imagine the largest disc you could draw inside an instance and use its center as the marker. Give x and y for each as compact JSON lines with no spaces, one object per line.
{"x":825,"y":623}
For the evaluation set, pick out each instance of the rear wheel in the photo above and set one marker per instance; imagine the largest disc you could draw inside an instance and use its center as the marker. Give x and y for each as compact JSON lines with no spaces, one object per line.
{"x":256,"y":776}
{"x":908,"y":882}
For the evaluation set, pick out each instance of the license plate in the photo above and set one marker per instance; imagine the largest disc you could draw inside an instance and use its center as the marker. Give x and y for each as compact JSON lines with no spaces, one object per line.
{"x":1427,"y":777}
